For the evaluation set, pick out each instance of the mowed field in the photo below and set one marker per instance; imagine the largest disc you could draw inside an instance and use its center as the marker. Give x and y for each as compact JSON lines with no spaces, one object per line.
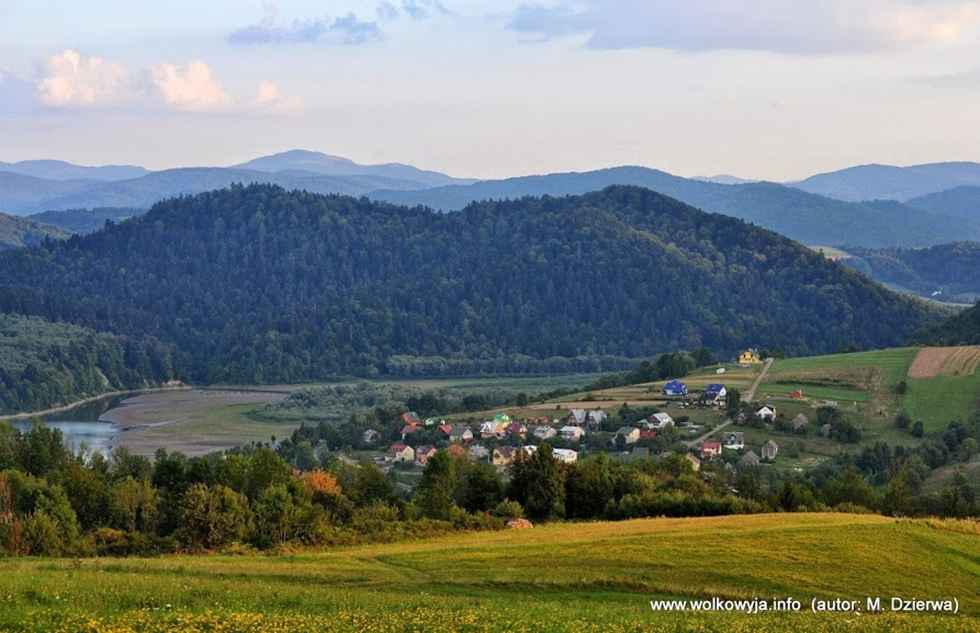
{"x":568,"y":577}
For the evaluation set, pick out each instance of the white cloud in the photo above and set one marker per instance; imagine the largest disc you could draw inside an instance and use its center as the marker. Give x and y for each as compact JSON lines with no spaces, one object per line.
{"x":796,"y":27}
{"x":268,"y":97}
{"x":68,"y":79}
{"x":190,"y":88}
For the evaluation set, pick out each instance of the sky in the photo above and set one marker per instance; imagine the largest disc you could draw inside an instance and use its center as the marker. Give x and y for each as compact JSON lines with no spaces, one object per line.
{"x":762,"y":89}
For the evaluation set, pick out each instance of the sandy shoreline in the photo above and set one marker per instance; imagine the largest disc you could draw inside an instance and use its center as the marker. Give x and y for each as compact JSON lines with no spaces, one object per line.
{"x":104,"y":396}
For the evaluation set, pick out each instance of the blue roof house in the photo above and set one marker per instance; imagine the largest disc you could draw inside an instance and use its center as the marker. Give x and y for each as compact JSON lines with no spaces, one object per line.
{"x":675,"y":388}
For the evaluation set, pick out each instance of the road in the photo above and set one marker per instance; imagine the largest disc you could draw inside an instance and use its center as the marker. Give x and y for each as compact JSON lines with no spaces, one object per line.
{"x":758,"y":381}
{"x":747,"y":398}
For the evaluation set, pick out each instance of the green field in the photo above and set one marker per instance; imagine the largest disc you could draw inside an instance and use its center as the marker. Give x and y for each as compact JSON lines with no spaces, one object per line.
{"x":571,"y":577}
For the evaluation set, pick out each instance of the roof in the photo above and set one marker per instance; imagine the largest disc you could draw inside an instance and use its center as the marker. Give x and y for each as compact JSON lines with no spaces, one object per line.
{"x":715,"y":387}
{"x":663,"y":417}
{"x":505,"y":451}
{"x":571,"y":429}
{"x":460,"y":430}
{"x":771,"y":445}
{"x":626,"y":430}
{"x":397,"y":448}
{"x":445,"y":428}
{"x":800,"y":420}
{"x":710,"y":445}
{"x":750,"y":458}
{"x":428,"y":448}
{"x":456,"y":449}
{"x":408,"y":428}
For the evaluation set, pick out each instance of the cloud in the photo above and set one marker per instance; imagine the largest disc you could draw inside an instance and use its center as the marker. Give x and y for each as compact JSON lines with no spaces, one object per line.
{"x":268,"y":97}
{"x":68,"y":79}
{"x":191,"y":88}
{"x":798,"y":27}
{"x":967,"y":79}
{"x":347,"y":29}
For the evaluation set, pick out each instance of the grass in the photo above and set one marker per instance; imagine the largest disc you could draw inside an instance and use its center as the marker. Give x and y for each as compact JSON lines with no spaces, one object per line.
{"x":570,"y":577}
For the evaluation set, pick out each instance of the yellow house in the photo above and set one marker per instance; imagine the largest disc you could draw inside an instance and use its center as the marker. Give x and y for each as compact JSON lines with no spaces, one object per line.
{"x":749,"y":357}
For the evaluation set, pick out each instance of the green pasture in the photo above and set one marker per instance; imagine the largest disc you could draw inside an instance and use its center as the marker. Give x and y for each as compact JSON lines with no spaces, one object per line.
{"x":567,"y":577}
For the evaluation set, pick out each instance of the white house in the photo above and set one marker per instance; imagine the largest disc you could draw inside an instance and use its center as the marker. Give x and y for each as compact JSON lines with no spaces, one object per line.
{"x":659,"y":421}
{"x":565,"y":455}
{"x":572,"y":433}
{"x":766,"y":413}
{"x":544,"y":432}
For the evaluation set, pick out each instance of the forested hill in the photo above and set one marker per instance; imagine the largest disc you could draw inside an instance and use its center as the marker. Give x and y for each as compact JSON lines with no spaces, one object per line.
{"x":950,"y":272}
{"x":959,"y":329}
{"x":258,"y":284}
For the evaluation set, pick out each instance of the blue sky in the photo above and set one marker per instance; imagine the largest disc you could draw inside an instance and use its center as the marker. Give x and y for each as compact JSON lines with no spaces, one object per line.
{"x":756,"y":88}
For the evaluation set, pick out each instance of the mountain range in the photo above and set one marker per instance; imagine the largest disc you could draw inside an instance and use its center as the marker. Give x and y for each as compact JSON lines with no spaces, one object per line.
{"x":940,"y":204}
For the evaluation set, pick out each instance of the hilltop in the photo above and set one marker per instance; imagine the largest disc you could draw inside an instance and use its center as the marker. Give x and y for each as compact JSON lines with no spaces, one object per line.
{"x":256,"y":284}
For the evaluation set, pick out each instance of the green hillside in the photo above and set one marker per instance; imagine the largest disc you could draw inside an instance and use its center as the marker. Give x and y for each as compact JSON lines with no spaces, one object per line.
{"x":600,"y":577}
{"x":947,"y":272}
{"x":959,"y":329}
{"x":255,"y":284}
{"x":16,"y":231}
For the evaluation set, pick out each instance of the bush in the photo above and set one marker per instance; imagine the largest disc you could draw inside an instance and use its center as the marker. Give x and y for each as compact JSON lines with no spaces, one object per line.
{"x":508,"y":510}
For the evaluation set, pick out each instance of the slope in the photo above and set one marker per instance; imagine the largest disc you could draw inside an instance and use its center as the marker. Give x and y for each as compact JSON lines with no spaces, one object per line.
{"x":17,"y":231}
{"x":529,"y":581}
{"x":801,"y":216}
{"x":950,"y":272}
{"x":961,"y":202}
{"x":256,"y":284}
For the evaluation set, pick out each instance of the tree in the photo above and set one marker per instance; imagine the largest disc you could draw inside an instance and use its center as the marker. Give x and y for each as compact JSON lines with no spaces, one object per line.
{"x":214,"y":517}
{"x":545,"y":486}
{"x":903,"y":420}
{"x":588,"y":488}
{"x":482,"y":489}
{"x":918,"y":429}
{"x":435,"y":492}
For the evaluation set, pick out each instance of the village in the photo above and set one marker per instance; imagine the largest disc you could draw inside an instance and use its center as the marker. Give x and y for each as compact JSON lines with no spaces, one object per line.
{"x":623,"y":433}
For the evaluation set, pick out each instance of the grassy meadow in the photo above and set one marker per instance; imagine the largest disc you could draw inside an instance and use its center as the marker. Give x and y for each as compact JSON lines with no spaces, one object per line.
{"x":568,"y":577}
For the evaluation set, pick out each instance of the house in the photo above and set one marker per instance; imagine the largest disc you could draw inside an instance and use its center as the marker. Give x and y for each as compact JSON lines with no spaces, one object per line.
{"x":478,"y":452}
{"x":504,"y":455}
{"x":530,"y":449}
{"x":571,"y":433}
{"x":370,"y":436}
{"x":491,"y":429}
{"x":797,"y":395}
{"x":660,"y":421}
{"x":749,"y":357}
{"x":749,"y":459}
{"x":460,"y":434}
{"x":503,"y":418}
{"x":720,"y":370}
{"x":766,"y":413}
{"x":516,"y":428}
{"x":769,"y":450}
{"x":648,"y":435}
{"x":411,"y":418}
{"x":675,"y":388}
{"x":733,"y":440}
{"x":710,"y":449}
{"x":565,"y":455}
{"x":630,"y":433}
{"x":694,"y":461}
{"x":594,"y":419}
{"x":544,"y":432}
{"x":423,"y":453}
{"x":445,"y":429}
{"x":576,"y":417}
{"x":455,"y":450}
{"x":400,"y":453}
{"x":716,"y":389}
{"x":408,"y":429}
{"x":800,"y":421}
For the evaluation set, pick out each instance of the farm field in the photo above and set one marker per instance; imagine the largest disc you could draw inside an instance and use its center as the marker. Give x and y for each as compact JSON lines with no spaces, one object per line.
{"x":566,"y":577}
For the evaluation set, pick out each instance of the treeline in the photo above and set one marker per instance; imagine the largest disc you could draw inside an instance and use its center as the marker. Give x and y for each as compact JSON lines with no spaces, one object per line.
{"x":664,"y":366}
{"x":256,"y":284}
{"x":44,"y":365}
{"x":83,"y":221}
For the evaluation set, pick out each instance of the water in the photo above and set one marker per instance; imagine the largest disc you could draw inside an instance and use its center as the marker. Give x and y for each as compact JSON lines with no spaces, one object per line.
{"x":81,"y":425}
{"x":94,"y":435}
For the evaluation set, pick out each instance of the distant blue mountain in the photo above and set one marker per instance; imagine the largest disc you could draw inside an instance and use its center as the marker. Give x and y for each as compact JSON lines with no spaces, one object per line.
{"x":805,"y":217}
{"x":60,"y":170}
{"x":885,"y":182}
{"x":318,"y":163}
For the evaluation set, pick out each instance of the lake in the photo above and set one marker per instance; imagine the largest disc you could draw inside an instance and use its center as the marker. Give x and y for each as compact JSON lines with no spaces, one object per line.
{"x":81,"y":424}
